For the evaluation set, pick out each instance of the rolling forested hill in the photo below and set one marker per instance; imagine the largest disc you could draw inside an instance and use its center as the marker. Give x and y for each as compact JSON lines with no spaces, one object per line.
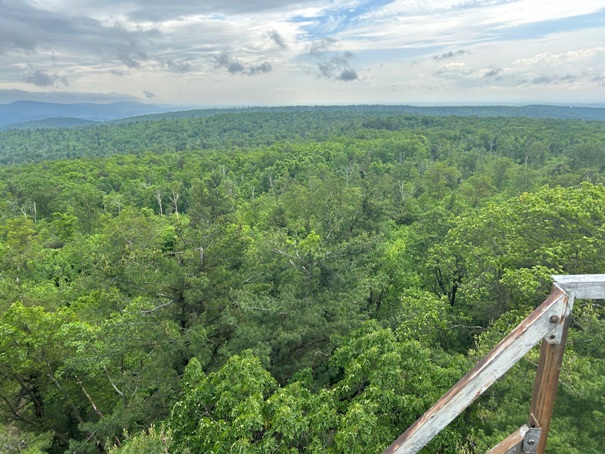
{"x":30,"y":115}
{"x":296,"y":280}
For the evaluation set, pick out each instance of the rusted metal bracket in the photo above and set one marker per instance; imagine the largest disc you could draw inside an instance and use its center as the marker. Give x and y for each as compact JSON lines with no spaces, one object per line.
{"x":523,"y":441}
{"x":512,"y":444}
{"x":531,"y":440}
{"x":555,"y":335}
{"x":548,"y":322}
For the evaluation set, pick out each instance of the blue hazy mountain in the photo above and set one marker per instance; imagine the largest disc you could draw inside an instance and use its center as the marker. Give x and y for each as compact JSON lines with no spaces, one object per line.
{"x":27,"y":111}
{"x":35,"y":114}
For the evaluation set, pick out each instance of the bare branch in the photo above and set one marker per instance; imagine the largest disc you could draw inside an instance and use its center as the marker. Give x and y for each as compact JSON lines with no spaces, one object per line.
{"x":92,"y":402}
{"x":115,"y":388}
{"x":149,"y":311}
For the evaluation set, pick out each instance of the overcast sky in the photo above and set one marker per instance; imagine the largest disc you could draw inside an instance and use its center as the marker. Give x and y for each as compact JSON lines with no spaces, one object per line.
{"x":285,"y":52}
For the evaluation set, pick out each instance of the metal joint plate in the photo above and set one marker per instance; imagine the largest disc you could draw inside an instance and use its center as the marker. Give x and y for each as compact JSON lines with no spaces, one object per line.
{"x":531,"y":440}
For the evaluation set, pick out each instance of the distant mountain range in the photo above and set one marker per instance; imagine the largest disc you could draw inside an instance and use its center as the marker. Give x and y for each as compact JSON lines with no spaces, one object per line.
{"x":530,"y":111}
{"x":31,"y":111}
{"x":34,"y":114}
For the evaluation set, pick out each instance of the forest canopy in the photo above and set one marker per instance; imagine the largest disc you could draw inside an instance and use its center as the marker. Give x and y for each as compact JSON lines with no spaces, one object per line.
{"x":297,"y":281}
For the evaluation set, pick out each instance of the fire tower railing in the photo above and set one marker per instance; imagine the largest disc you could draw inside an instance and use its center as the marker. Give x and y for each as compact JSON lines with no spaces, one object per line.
{"x":549,"y":322}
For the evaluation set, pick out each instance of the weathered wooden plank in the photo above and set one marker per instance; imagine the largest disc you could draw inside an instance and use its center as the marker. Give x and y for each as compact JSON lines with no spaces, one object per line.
{"x":511,"y":442}
{"x":512,"y":348}
{"x":583,"y":286}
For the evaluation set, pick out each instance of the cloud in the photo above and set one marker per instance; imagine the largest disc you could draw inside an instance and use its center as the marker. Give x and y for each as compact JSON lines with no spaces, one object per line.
{"x":178,"y":66}
{"x":119,"y":72}
{"x":43,"y":32}
{"x":332,"y":65}
{"x":264,"y":67}
{"x":322,"y":45}
{"x":12,"y":95}
{"x":225,"y":61}
{"x":452,"y":67}
{"x":552,"y":79}
{"x":347,"y":75}
{"x":89,"y":43}
{"x":493,"y":72}
{"x":234,"y":66}
{"x":155,"y":10}
{"x":278,"y":39}
{"x":565,"y":57}
{"x":450,"y":54}
{"x":133,"y":60}
{"x":148,"y":94}
{"x":41,"y":78}
{"x":16,"y":36}
{"x":338,"y":68}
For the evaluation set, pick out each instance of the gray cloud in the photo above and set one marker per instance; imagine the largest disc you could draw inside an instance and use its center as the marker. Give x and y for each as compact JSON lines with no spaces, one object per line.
{"x":551,"y":79}
{"x":322,"y":45}
{"x":41,"y":78}
{"x":155,"y":10}
{"x":338,"y":68}
{"x":492,"y":72}
{"x":133,"y":60}
{"x":347,"y":75}
{"x":233,"y":66}
{"x":149,"y":94}
{"x":119,"y":72}
{"x":178,"y":66}
{"x":25,"y":28}
{"x":16,"y":35}
{"x":278,"y":39}
{"x":264,"y":67}
{"x":450,"y":54}
{"x":225,"y":61}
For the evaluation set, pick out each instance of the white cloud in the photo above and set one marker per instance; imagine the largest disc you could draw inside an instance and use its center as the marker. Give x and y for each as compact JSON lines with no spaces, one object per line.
{"x":573,"y":56}
{"x":520,"y":12}
{"x":191,"y":51}
{"x":454,"y":66}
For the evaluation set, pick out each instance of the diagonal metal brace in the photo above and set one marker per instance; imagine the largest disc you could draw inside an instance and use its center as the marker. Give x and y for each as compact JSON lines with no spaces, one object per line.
{"x":548,"y":322}
{"x":504,"y":356}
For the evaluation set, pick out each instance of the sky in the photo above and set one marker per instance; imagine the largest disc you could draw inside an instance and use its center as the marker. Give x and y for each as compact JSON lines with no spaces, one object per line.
{"x":303,"y":52}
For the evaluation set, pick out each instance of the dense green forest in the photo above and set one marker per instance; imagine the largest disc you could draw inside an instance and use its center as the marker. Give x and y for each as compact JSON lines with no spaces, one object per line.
{"x":297,"y":281}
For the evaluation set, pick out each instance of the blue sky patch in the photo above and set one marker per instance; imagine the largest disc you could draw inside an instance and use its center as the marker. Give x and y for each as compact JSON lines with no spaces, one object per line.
{"x":336,"y":20}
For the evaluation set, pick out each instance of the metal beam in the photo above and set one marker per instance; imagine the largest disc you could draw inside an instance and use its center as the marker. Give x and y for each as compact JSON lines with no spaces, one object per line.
{"x":582,"y":286}
{"x":550,"y":321}
{"x":542,"y":321}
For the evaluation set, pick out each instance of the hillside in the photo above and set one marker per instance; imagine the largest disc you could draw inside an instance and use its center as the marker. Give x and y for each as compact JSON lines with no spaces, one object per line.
{"x":531,"y":111}
{"x":32,"y":115}
{"x":50,"y":123}
{"x":252,"y":128}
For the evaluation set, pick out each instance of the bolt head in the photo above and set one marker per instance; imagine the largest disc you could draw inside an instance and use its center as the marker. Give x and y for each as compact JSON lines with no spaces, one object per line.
{"x":554,"y":319}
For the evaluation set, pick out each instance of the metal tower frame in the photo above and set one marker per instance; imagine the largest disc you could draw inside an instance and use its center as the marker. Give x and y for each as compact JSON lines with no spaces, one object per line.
{"x":548,"y":323}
